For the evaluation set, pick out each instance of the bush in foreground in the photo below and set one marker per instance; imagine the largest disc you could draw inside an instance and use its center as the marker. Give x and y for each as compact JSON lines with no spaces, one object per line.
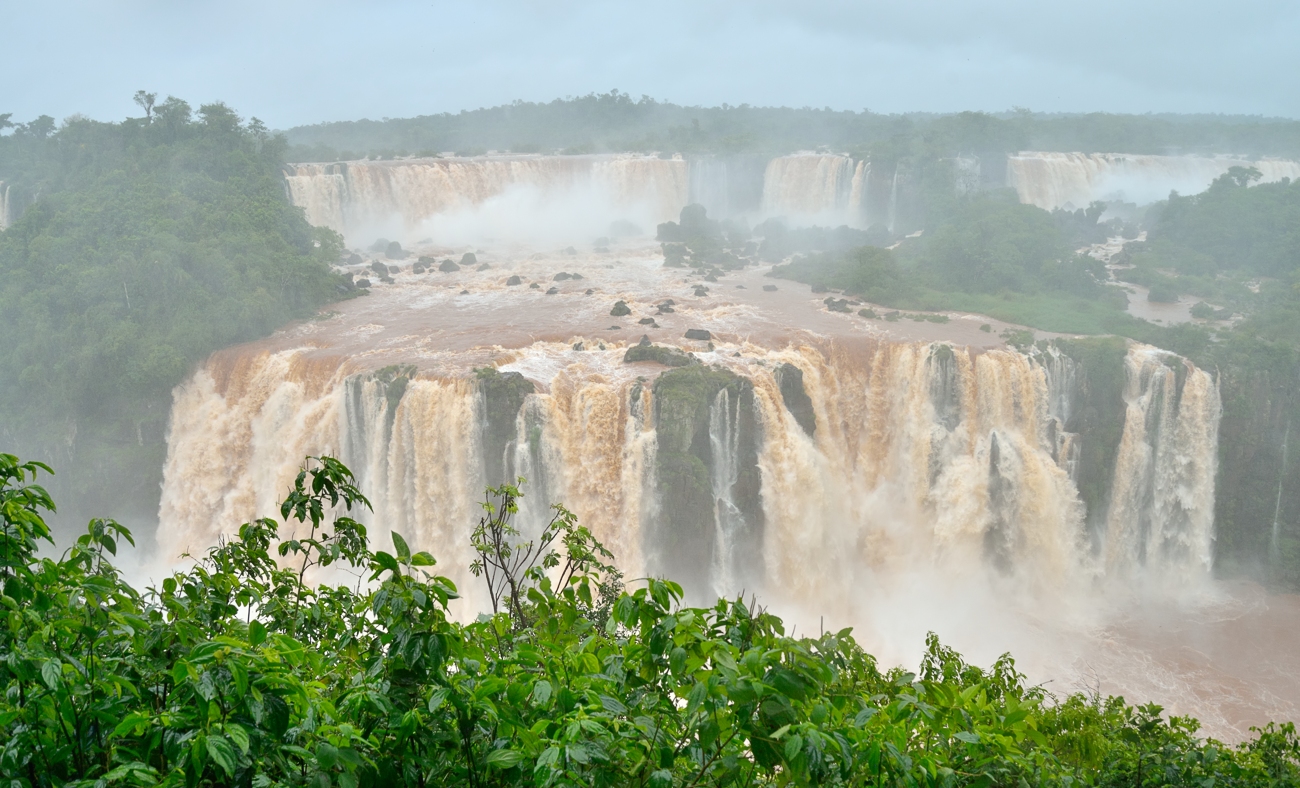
{"x":239,"y":672}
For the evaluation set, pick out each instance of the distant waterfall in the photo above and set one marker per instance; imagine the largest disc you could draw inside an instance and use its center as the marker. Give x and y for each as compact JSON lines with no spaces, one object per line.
{"x":1058,"y":180}
{"x":5,"y":218}
{"x":462,"y":197}
{"x":813,"y":185}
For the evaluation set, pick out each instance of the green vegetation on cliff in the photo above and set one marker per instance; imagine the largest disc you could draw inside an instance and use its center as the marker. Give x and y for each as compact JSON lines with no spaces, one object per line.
{"x":144,"y":246}
{"x":615,"y":121}
{"x":234,"y":672}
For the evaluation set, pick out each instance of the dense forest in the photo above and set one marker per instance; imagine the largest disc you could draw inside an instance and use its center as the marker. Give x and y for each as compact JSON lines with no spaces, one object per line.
{"x":240,"y":672}
{"x":139,"y":248}
{"x":615,"y":121}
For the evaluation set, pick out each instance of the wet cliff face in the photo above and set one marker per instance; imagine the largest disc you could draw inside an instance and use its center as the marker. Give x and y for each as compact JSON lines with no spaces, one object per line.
{"x":1257,"y":505}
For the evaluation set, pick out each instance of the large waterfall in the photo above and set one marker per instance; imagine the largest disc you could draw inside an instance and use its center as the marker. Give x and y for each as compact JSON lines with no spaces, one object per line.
{"x":901,"y":457}
{"x":456,"y":198}
{"x":1058,"y":180}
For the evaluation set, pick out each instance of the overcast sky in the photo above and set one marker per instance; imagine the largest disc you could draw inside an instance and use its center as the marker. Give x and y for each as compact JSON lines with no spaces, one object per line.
{"x":291,"y":62}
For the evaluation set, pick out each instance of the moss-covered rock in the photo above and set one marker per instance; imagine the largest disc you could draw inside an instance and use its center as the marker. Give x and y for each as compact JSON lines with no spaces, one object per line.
{"x":684,"y":535}
{"x":789,"y":379}
{"x":660,"y":354}
{"x":1098,"y":419}
{"x":503,"y":394}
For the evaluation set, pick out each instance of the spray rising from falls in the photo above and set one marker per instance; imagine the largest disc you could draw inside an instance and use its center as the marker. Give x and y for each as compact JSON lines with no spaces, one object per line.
{"x":799,"y":473}
{"x":462,"y":197}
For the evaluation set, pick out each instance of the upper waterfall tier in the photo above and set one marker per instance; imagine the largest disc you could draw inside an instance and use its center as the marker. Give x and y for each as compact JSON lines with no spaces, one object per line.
{"x":454,"y":198}
{"x":1058,"y":180}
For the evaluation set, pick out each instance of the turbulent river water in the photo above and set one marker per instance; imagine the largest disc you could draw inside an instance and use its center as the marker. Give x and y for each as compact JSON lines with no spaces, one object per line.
{"x":898,"y":477}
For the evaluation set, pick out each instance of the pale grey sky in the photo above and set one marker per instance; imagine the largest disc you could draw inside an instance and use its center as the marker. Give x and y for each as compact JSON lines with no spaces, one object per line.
{"x":293,"y":61}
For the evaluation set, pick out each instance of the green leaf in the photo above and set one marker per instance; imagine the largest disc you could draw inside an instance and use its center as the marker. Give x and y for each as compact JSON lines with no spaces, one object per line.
{"x":422,"y":558}
{"x":52,"y":673}
{"x":967,"y":736}
{"x":403,"y":551}
{"x":131,"y":722}
{"x":239,"y":735}
{"x":256,"y":633}
{"x":505,"y":759}
{"x":612,"y":705}
{"x":793,"y":746}
{"x":327,"y":756}
{"x":222,"y":753}
{"x":541,"y":692}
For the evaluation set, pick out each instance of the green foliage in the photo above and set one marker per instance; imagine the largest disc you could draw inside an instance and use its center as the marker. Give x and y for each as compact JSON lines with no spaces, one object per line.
{"x":615,"y":121}
{"x":236,"y":672}
{"x":144,"y":246}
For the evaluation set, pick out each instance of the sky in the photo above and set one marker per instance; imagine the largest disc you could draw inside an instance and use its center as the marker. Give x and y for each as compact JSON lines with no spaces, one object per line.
{"x":293,"y":62}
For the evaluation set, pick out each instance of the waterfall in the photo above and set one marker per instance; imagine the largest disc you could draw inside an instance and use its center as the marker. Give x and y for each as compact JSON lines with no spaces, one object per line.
{"x":729,"y":520}
{"x":5,"y":218}
{"x":1162,"y":497}
{"x":814,"y":186}
{"x":458,"y":199}
{"x":1274,"y":543}
{"x":917,"y":455}
{"x":893,"y":202}
{"x":1074,"y":180}
{"x":727,"y":186}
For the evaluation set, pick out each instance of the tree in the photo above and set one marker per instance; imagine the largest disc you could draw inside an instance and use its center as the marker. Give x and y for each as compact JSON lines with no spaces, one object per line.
{"x":146,"y":101}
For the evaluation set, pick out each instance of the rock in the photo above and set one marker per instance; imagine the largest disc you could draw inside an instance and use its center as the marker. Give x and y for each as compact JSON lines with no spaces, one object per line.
{"x":668,"y":302}
{"x":701,"y":291}
{"x":870,"y":314}
{"x":388,"y":280}
{"x":614,"y":328}
{"x":552,"y":291}
{"x":561,"y":277}
{"x":769,"y":288}
{"x":590,"y":291}
{"x":503,"y":395}
{"x":448,"y":267}
{"x":837,"y":304}
{"x":665,"y":309}
{"x":468,"y":259}
{"x":789,"y":379}
{"x":570,"y":250}
{"x":514,"y":280}
{"x":394,"y":251}
{"x":534,"y":286}
{"x":578,"y":346}
{"x":620,"y":309}
{"x":464,"y":292}
{"x":820,"y":288}
{"x":648,"y":321}
{"x":354,"y":259}
{"x":363,"y":282}
{"x":393,"y":269}
{"x":483,"y":267}
{"x":426,"y":261}
{"x":668,"y":356}
{"x":710,"y":278}
{"x":698,"y":333}
{"x":417,"y":269}
{"x":575,"y":276}
{"x":740,"y":287}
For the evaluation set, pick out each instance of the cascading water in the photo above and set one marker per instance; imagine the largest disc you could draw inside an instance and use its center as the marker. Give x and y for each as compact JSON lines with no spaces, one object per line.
{"x":5,"y":218}
{"x":1162,"y":497}
{"x":938,"y":452}
{"x":809,"y":185}
{"x":1058,"y":180}
{"x":456,"y":198}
